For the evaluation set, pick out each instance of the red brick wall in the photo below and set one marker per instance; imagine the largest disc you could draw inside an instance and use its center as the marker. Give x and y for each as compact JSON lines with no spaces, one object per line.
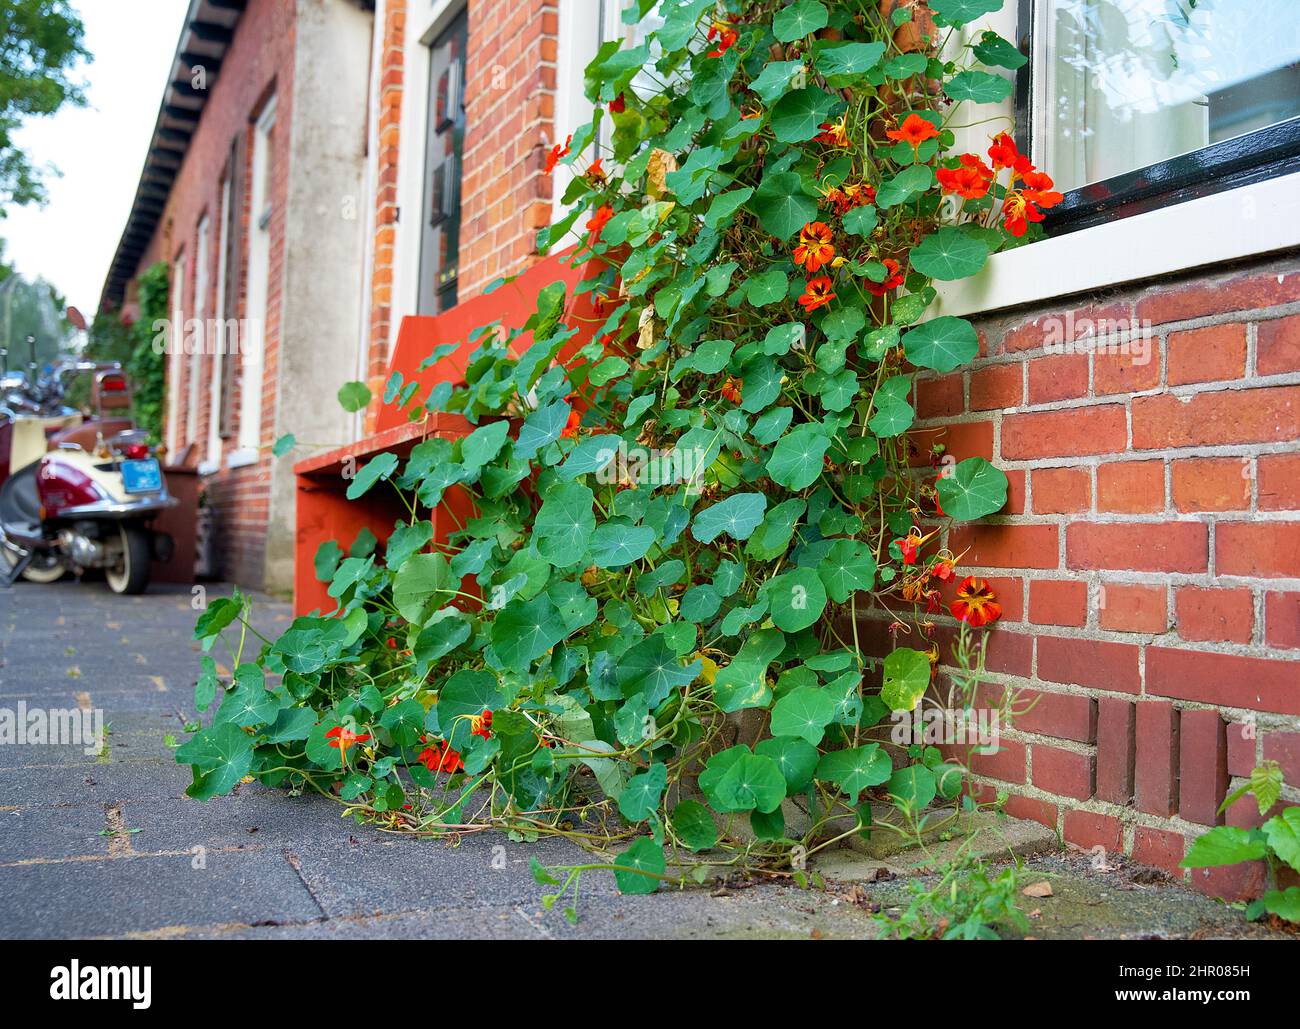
{"x":510,"y":107}
{"x":258,"y":64}
{"x":1148,"y":560}
{"x":388,"y":126}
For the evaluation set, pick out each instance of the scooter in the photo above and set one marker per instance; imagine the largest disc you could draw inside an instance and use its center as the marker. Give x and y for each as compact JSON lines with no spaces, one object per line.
{"x":78,"y":494}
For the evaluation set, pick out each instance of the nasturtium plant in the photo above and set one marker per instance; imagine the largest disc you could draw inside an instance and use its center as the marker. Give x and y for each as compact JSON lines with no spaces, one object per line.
{"x":677,"y":528}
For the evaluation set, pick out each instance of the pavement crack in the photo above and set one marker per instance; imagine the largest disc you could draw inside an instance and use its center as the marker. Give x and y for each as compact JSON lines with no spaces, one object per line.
{"x":295,"y":862}
{"x":119,"y":836}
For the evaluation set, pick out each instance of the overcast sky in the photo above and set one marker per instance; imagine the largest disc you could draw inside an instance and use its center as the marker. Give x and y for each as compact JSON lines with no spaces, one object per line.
{"x":99,"y":148}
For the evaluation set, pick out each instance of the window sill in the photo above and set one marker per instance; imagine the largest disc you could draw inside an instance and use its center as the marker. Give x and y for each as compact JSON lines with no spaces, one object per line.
{"x":1252,"y":220}
{"x":206,"y":468}
{"x":242,"y":458}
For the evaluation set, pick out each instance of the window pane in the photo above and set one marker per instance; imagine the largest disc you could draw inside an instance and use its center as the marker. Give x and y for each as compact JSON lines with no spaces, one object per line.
{"x":444,"y":144}
{"x":1133,"y":82}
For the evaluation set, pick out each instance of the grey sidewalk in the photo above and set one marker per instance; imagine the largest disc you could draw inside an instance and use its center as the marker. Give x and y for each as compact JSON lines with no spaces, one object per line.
{"x":110,"y":845}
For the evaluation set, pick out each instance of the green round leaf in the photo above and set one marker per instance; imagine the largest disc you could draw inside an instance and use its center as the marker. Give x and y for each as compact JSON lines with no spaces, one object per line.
{"x":949,"y":254}
{"x":975,"y":488}
{"x":942,"y":343}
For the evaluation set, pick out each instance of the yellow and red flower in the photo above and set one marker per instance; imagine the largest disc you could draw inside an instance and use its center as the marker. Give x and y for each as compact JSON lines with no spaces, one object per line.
{"x":817,"y":293}
{"x":908,"y":546}
{"x":599,"y":220}
{"x":557,"y":151}
{"x":1022,"y":206}
{"x":848,"y":196}
{"x":976,"y":604}
{"x":1003,"y":152}
{"x":441,"y":758}
{"x":894,"y":276}
{"x":725,"y":33}
{"x":914,"y":131}
{"x":341,"y":738}
{"x":731,"y":389}
{"x":481,"y":725}
{"x":815,"y":248}
{"x":596,"y":174}
{"x":834,"y":133}
{"x":971,"y":180}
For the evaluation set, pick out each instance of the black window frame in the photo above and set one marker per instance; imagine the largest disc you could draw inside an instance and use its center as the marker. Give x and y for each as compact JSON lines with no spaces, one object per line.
{"x":1230,"y":164}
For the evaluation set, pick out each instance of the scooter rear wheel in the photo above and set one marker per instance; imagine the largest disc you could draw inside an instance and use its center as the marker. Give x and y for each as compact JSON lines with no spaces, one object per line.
{"x":131,"y":574}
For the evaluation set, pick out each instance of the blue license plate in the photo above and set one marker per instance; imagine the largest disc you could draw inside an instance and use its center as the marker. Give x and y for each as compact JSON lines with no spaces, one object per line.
{"x":143,"y":476}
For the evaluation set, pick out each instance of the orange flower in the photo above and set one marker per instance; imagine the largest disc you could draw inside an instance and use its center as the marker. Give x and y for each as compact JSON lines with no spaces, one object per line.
{"x":814,"y":249}
{"x":481,"y":725}
{"x":618,"y":105}
{"x":817,"y":293}
{"x":834,"y":133}
{"x":596,"y":174}
{"x":557,"y":151}
{"x":943,"y":571}
{"x":341,"y":738}
{"x":914,"y":131}
{"x":441,"y":758}
{"x":750,"y":112}
{"x":599,"y":220}
{"x":893,"y":279}
{"x":726,"y":35}
{"x":848,"y":196}
{"x":975,"y":604}
{"x":971,"y":180}
{"x":731,"y":389}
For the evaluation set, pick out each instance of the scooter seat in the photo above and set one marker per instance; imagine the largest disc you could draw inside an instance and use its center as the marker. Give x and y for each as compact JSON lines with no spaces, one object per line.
{"x":20,"y":504}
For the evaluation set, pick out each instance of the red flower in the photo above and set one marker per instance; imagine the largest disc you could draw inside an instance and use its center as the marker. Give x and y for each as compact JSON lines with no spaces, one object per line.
{"x":557,"y":151}
{"x":814,"y":249}
{"x":599,"y":220}
{"x":726,"y":35}
{"x":907,"y":547}
{"x":943,"y":571}
{"x":341,"y":738}
{"x":596,"y":174}
{"x":971,"y":180}
{"x":817,"y":294}
{"x":1021,"y":206}
{"x":975,"y":604}
{"x":731,"y":390}
{"x":845,"y":198}
{"x":1003,"y":152}
{"x":893,"y":279}
{"x":572,"y":426}
{"x":914,"y":131}
{"x":441,"y":758}
{"x":618,"y":105}
{"x":834,"y":133}
{"x":481,"y":725}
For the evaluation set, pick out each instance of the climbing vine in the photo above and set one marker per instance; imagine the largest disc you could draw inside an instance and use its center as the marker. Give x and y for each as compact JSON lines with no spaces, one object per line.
{"x":645,"y":629}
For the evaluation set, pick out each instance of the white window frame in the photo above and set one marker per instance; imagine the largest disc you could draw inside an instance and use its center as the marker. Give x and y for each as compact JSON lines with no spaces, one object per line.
{"x":1246,"y":221}
{"x":253,"y":338}
{"x":176,"y":352}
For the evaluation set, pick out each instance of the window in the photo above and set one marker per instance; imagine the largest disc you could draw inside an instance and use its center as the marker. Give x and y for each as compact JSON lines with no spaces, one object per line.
{"x":216,"y":385}
{"x":199,"y":343}
{"x":175,"y":359}
{"x":444,"y":148}
{"x":253,"y":339}
{"x":1134,"y":104}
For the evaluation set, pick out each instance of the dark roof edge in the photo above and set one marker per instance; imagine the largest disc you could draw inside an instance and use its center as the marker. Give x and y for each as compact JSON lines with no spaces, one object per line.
{"x":206,"y":34}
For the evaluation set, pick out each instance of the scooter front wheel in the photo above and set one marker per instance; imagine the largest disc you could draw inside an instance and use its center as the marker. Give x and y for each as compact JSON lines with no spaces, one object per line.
{"x":131,"y":573}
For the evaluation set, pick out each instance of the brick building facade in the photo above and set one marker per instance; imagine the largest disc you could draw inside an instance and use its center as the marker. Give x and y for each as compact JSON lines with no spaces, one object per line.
{"x":1139,"y":382}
